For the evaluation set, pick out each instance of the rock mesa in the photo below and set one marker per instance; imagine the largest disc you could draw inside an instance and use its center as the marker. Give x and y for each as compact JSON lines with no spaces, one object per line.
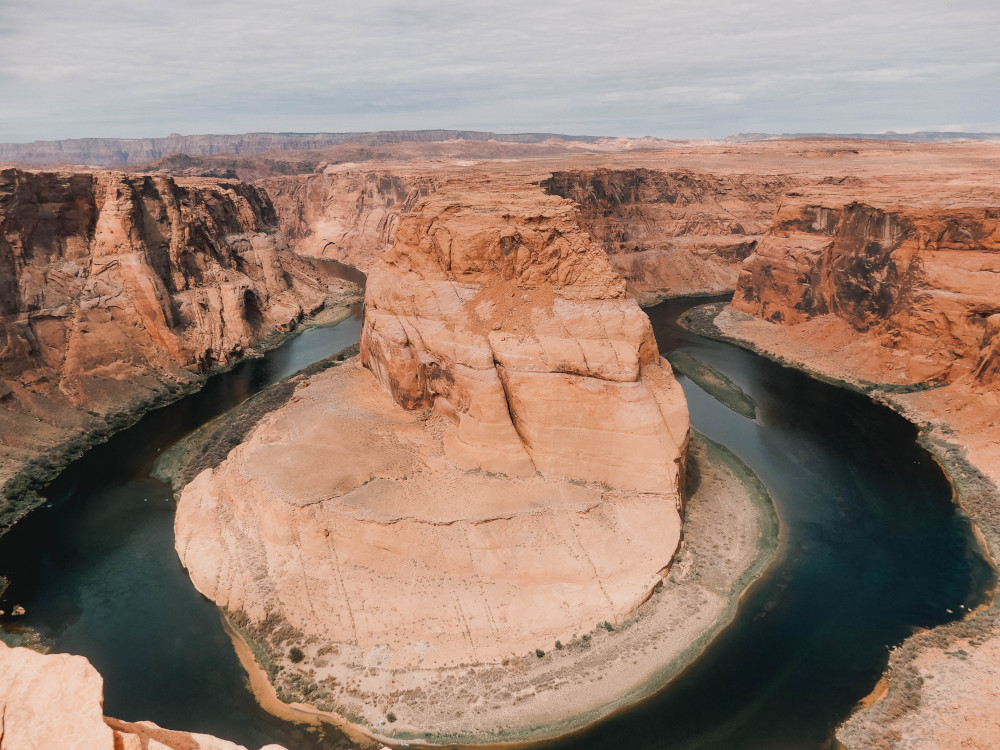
{"x":503,"y":471}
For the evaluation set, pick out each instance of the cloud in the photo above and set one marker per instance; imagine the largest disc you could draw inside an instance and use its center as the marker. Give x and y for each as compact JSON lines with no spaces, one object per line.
{"x":138,"y":68}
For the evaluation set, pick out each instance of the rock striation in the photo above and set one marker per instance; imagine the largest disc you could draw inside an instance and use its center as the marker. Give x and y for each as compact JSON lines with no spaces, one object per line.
{"x":116,"y":288}
{"x":673,"y":232}
{"x":913,"y":277}
{"x":346,"y":214}
{"x":510,"y":320}
{"x":54,"y":702}
{"x":499,"y":470}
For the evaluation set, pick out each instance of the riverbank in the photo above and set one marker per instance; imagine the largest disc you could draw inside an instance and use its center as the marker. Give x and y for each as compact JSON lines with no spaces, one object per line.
{"x":27,"y":476}
{"x":942,"y":688}
{"x":731,"y":533}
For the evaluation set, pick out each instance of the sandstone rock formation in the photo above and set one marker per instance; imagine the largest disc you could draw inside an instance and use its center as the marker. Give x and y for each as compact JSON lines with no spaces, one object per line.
{"x":114,"y":288}
{"x":507,"y":318}
{"x":673,"y":232}
{"x":886,"y":279}
{"x":909,"y":276}
{"x":502,"y":473}
{"x":54,"y":702}
{"x":346,"y":214}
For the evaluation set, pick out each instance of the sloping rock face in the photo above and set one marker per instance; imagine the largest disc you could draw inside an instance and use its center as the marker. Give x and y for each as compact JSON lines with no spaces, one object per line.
{"x":672,"y":233}
{"x":919,"y":279}
{"x":346,"y":215}
{"x":509,"y":319}
{"x":114,"y":288}
{"x":502,"y":472}
{"x":54,"y":702}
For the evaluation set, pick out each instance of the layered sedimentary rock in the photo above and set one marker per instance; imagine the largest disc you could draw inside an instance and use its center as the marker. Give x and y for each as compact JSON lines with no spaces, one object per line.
{"x":54,"y":702}
{"x":349,"y":215}
{"x":501,"y":473}
{"x":509,"y":319}
{"x":114,"y":288}
{"x":673,"y":232}
{"x":890,"y":284}
{"x":913,"y":276}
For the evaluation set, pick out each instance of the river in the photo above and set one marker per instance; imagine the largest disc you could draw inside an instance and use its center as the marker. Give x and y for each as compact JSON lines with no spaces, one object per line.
{"x":872,"y":548}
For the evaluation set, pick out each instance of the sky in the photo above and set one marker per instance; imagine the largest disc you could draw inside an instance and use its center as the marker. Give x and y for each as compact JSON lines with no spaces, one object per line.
{"x":698,"y":68}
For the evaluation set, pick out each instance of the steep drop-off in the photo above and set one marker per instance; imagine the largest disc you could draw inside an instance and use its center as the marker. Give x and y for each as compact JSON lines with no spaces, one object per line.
{"x":118,"y":290}
{"x":890,"y":286}
{"x":349,"y":215}
{"x":512,"y":449}
{"x":54,"y":702}
{"x":918,"y":279}
{"x":673,"y":232}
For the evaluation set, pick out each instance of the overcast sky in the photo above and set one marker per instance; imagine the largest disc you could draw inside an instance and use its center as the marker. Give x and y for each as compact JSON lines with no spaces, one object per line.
{"x":698,"y":68}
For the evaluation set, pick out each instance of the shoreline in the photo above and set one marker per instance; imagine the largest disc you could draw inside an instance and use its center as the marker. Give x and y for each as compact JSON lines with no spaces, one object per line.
{"x":558,"y":717}
{"x":23,"y":489}
{"x":976,"y":495}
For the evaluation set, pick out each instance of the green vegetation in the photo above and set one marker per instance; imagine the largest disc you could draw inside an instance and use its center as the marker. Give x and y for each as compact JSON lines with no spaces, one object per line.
{"x":390,"y":717}
{"x":208,"y":446}
{"x":296,"y":655}
{"x":714,"y":383}
{"x":539,"y":653}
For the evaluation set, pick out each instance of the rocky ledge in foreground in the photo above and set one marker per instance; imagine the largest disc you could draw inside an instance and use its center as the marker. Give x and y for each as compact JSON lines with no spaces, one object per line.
{"x":502,"y":473}
{"x":54,"y":702}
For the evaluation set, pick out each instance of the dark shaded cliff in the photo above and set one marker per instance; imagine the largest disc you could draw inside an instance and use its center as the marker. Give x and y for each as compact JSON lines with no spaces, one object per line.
{"x":918,"y":277}
{"x":118,"y":289}
{"x":672,"y":233}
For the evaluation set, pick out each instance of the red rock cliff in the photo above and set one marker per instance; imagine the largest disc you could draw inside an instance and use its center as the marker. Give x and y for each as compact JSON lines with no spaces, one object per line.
{"x":114,"y":287}
{"x":347,"y":215}
{"x":672,"y":232}
{"x":498,"y":309}
{"x":915,"y":276}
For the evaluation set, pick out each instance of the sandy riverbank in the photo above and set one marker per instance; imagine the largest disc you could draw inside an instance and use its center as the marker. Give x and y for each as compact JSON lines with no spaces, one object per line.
{"x":730,"y":537}
{"x":943,"y":684}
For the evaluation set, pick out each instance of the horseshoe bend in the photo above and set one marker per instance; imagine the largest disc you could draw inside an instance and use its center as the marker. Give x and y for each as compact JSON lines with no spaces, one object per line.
{"x":499,"y":473}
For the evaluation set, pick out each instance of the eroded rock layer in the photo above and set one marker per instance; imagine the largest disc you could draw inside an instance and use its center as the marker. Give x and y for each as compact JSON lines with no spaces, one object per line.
{"x":503,"y":472}
{"x":914,"y":277}
{"x":349,"y":215}
{"x":503,"y":314}
{"x":673,"y":232}
{"x":115,"y":288}
{"x":54,"y":702}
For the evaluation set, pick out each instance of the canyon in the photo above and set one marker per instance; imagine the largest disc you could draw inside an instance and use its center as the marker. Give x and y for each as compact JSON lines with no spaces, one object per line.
{"x":508,"y":438}
{"x":118,"y":293}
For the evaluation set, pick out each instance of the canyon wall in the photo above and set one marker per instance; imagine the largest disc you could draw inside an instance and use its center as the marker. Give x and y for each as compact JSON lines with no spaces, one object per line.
{"x":349,"y":215}
{"x":915,"y":276}
{"x":506,"y":316}
{"x":673,"y":232}
{"x":116,"y":288}
{"x":54,"y":702}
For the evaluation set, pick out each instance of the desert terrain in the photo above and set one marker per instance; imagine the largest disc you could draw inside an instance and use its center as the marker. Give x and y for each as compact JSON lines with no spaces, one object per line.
{"x":504,"y":343}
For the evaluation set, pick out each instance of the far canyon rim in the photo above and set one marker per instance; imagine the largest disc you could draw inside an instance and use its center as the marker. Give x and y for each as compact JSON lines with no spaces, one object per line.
{"x":504,"y":355}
